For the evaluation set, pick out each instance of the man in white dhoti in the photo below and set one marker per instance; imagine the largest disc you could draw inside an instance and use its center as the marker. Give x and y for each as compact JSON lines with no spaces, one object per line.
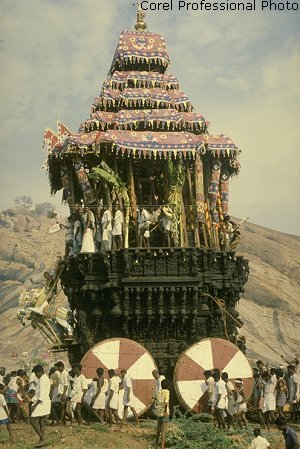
{"x":231,"y":408}
{"x":113,"y":396}
{"x":219,"y":404}
{"x":64,"y":390}
{"x":80,"y":387}
{"x":294,"y":390}
{"x":269,"y":406}
{"x":128,"y":397}
{"x":117,"y":230}
{"x":106,"y":231}
{"x":42,"y":406}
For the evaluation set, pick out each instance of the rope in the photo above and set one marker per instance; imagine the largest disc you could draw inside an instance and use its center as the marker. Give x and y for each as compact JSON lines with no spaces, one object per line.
{"x":219,"y":303}
{"x":57,"y":277}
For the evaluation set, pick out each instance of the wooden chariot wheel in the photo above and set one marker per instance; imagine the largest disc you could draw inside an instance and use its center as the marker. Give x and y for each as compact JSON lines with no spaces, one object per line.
{"x":122,"y":353}
{"x":207,"y":354}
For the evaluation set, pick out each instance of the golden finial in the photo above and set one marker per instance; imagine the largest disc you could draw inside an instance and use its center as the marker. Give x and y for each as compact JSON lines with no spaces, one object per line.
{"x":140,"y":16}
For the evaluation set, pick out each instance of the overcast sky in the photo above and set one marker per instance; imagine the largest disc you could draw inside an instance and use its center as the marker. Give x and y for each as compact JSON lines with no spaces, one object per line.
{"x":241,"y":70}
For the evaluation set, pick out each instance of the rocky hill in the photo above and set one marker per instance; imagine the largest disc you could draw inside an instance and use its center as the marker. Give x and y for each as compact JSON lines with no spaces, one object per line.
{"x":270,"y":308}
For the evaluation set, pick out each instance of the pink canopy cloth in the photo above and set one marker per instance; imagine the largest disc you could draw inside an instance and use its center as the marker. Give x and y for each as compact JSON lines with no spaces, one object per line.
{"x":139,"y":47}
{"x":120,"y":80}
{"x":166,"y":118}
{"x":153,"y":97}
{"x":147,"y":143}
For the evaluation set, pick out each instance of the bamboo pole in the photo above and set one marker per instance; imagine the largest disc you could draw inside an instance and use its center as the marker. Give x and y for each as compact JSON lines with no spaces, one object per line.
{"x":204,"y":235}
{"x":132,"y":196}
{"x":193,"y":203}
{"x":183,"y":230}
{"x":72,"y":188}
{"x":122,"y":207}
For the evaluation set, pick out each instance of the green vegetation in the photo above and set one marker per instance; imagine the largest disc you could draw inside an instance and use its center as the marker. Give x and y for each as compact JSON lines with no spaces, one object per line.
{"x":198,"y":432}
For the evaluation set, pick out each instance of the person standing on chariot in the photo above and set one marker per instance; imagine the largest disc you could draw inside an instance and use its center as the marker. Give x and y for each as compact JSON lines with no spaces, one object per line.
{"x":117,"y":230}
{"x":77,"y":229}
{"x":144,"y":224}
{"x":88,"y":221}
{"x":167,"y":223}
{"x":98,"y":233}
{"x":106,"y":230}
{"x":128,"y":397}
{"x":69,"y":237}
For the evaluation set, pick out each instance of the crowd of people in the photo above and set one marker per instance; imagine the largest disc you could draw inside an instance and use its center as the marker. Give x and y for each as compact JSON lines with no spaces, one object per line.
{"x":276,"y":393}
{"x":103,"y":228}
{"x":86,"y":232}
{"x":67,"y":395}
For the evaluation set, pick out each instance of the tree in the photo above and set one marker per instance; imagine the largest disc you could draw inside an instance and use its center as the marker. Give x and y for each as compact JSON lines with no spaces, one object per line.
{"x":24,"y":202}
{"x":44,"y":209}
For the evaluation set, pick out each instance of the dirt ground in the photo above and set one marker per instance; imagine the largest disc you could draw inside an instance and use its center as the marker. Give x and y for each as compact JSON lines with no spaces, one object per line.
{"x":99,"y":437}
{"x":67,"y":437}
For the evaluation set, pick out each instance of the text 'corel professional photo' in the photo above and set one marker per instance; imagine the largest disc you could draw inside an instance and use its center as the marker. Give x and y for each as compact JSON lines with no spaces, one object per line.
{"x":203,"y":5}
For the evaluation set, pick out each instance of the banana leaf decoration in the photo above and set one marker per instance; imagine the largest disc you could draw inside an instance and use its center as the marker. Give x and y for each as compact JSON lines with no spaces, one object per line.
{"x":104,"y":173}
{"x":177,"y":179}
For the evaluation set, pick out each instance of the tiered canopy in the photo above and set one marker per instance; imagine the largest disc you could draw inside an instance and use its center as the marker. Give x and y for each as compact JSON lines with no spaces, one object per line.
{"x":143,"y":111}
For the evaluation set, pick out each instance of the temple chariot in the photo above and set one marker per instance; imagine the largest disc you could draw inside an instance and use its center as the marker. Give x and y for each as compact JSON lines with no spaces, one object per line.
{"x":163,"y":269}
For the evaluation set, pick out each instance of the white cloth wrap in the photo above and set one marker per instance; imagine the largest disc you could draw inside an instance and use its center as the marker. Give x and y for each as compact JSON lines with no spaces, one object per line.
{"x":42,"y":393}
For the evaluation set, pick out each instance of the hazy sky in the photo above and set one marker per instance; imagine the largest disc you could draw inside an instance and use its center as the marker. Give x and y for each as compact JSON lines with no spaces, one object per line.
{"x":241,"y":70}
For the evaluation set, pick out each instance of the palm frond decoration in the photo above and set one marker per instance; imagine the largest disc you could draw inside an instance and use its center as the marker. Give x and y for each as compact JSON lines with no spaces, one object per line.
{"x":177,"y":179}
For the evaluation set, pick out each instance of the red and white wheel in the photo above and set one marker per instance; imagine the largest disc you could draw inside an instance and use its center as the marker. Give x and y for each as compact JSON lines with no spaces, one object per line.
{"x":207,"y":354}
{"x":122,"y":353}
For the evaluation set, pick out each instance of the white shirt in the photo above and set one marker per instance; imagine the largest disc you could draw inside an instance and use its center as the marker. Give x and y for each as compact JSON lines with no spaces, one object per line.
{"x":220,"y":388}
{"x":158,"y":383}
{"x":3,"y":414}
{"x":13,"y":383}
{"x":64,"y":381}
{"x":32,"y":381}
{"x":118,"y":220}
{"x":80,"y":383}
{"x":114,"y":384}
{"x":259,"y":443}
{"x":210,"y":382}
{"x":127,"y":382}
{"x":106,"y":220}
{"x":42,"y":393}
{"x":43,"y":388}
